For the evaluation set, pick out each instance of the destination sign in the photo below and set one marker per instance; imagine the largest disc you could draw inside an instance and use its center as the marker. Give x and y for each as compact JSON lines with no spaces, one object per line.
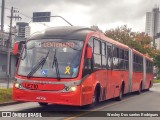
{"x":57,"y":44}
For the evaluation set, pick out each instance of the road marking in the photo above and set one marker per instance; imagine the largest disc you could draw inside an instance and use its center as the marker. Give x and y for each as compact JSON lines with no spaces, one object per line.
{"x":96,"y":109}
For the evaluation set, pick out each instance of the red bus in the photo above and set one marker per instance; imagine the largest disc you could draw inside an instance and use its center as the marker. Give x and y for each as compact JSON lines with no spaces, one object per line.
{"x":78,"y":66}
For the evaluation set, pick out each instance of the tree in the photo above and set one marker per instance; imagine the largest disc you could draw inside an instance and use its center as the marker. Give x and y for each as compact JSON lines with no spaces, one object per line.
{"x":156,"y":61}
{"x":136,"y":40}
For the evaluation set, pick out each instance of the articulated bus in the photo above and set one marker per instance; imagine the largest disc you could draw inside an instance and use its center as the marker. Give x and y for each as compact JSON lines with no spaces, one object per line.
{"x":78,"y":66}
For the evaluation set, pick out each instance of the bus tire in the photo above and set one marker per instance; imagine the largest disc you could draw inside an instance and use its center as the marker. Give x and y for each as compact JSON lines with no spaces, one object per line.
{"x":42,"y":104}
{"x":149,"y":86}
{"x":140,"y":89}
{"x":95,"y":98}
{"x":119,"y":98}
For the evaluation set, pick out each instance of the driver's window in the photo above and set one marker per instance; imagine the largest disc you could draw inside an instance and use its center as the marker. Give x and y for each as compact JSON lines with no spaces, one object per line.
{"x":88,"y":63}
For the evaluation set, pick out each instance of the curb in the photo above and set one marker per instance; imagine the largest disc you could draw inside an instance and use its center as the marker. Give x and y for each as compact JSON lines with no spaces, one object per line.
{"x":10,"y":103}
{"x":156,"y":83}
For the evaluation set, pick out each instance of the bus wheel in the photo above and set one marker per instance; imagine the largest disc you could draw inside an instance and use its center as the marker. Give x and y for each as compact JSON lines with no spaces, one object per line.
{"x":119,"y":98}
{"x":42,"y":104}
{"x":95,"y":99}
{"x":140,"y":89}
{"x":149,"y":86}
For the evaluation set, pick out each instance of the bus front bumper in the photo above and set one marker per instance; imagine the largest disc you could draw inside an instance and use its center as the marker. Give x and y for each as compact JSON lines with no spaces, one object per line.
{"x":64,"y":98}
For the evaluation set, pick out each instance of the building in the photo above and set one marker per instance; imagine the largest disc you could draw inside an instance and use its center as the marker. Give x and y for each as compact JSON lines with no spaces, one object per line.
{"x":152,"y":26}
{"x":27,"y":31}
{"x":3,"y":55}
{"x":3,"y":38}
{"x":23,"y":29}
{"x":3,"y":65}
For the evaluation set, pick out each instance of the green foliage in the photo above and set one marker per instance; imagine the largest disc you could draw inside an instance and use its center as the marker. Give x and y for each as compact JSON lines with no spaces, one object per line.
{"x":136,"y":40}
{"x":157,"y":61}
{"x":5,"y":95}
{"x":156,"y":81}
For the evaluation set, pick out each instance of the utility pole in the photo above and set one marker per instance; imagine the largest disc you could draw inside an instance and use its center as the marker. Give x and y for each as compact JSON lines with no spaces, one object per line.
{"x":9,"y":48}
{"x":9,"y":44}
{"x":2,"y":15}
{"x":2,"y":21}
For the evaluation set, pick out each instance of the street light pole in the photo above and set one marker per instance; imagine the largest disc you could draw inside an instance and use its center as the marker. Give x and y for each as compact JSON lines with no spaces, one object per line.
{"x":2,"y":15}
{"x":2,"y":21}
{"x":9,"y":48}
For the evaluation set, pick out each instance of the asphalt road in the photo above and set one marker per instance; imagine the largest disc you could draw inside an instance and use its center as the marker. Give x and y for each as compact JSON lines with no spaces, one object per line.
{"x":147,"y":101}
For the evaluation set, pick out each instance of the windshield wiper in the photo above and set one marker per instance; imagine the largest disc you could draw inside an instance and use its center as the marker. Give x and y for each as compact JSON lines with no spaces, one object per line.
{"x":40,"y":63}
{"x":56,"y":65}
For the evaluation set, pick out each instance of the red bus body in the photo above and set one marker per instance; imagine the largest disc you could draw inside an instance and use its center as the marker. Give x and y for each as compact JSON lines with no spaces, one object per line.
{"x":109,"y":81}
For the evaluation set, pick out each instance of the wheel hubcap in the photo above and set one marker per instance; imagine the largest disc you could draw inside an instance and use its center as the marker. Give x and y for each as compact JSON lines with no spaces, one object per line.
{"x":94,"y":99}
{"x":121,"y":94}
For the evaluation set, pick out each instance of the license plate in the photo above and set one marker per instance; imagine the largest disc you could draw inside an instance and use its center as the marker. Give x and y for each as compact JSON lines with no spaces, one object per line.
{"x":31,"y":86}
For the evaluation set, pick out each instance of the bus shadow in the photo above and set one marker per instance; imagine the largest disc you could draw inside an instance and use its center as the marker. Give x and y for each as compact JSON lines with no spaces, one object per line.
{"x":65,"y":110}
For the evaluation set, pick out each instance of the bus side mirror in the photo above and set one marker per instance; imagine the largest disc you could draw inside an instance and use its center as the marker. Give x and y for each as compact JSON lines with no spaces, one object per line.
{"x":89,"y":52}
{"x":15,"y":48}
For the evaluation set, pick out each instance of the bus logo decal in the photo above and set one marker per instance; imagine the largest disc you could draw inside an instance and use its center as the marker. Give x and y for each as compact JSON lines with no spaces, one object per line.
{"x":67,"y":70}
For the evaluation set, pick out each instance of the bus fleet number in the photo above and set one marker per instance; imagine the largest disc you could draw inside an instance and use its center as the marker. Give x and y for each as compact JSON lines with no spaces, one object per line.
{"x":30,"y":86}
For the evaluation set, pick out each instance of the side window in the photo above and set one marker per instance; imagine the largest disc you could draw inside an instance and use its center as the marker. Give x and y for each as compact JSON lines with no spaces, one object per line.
{"x":103,"y":55}
{"x":103,"y":48}
{"x":115,"y":57}
{"x":88,"y":64}
{"x":109,"y":56}
{"x":97,"y":54}
{"x":126,"y":54}
{"x":90,"y":42}
{"x":137,"y":63}
{"x":121,"y":54}
{"x":149,"y":66}
{"x":97,"y":46}
{"x":121,"y":59}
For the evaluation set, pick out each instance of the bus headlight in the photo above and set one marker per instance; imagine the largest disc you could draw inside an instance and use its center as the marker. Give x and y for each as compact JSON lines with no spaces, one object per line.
{"x":17,"y":85}
{"x":71,"y":89}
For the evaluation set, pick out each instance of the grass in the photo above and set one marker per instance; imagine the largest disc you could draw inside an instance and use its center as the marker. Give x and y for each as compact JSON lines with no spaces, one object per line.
{"x":5,"y":95}
{"x":156,"y":81}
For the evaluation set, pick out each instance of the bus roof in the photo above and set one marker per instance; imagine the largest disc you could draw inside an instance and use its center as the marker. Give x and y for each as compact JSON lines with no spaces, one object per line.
{"x":103,"y":37}
{"x":63,"y":32}
{"x":77,"y":33}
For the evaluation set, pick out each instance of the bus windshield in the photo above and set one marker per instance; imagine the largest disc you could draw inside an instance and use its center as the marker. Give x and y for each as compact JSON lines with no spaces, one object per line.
{"x":52,"y":58}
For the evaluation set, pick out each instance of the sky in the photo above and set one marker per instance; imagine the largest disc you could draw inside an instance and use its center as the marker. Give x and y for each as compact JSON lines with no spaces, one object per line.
{"x":106,"y":14}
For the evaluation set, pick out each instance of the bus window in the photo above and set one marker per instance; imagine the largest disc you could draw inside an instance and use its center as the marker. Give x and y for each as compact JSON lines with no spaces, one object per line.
{"x":115,"y":57}
{"x":126,"y":60}
{"x":97,"y":54}
{"x":103,"y":48}
{"x":90,"y":42}
{"x":109,"y":57}
{"x":103,"y":55}
{"x":88,"y":64}
{"x":121,"y":59}
{"x":97,"y":46}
